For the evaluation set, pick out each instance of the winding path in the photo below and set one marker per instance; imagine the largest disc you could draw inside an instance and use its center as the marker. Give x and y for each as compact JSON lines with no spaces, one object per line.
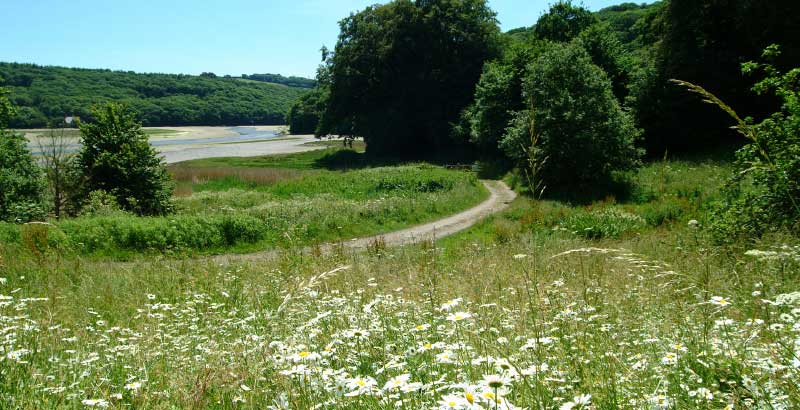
{"x":500,"y":195}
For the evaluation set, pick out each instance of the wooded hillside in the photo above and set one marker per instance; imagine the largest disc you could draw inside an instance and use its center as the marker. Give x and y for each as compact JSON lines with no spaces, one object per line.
{"x":44,"y":95}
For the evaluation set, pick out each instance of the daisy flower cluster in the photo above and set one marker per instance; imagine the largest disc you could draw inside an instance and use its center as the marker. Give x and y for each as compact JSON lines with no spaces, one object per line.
{"x":641,"y":336}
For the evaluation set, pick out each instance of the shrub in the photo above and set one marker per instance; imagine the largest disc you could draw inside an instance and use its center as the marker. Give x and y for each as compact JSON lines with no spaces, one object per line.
{"x":663,"y":211}
{"x":100,"y":203}
{"x":40,"y":238}
{"x":105,"y":234}
{"x":21,"y":183}
{"x":582,"y":135}
{"x":117,"y":157}
{"x":606,"y":223}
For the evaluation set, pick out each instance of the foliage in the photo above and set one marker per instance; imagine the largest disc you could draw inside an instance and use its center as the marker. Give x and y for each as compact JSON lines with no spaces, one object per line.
{"x":290,"y":81}
{"x":704,"y":42}
{"x":498,"y":95}
{"x":608,"y":53}
{"x":46,"y":94}
{"x":623,"y":19}
{"x":563,"y":22}
{"x":116,"y":157}
{"x":305,"y":114}
{"x":495,"y":97}
{"x":583,"y":134}
{"x":21,"y":183}
{"x":605,"y":223}
{"x":764,"y":194}
{"x":401,"y":73}
{"x":100,"y":203}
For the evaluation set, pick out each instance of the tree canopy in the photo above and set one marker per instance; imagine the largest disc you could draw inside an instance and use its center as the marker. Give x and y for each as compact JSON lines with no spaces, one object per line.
{"x":563,"y":22}
{"x":581,"y":134}
{"x":401,"y":73}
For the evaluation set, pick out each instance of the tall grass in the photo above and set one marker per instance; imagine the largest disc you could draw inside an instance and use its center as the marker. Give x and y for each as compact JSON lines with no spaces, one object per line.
{"x":248,"y":209}
{"x":511,"y":314}
{"x":186,"y":177}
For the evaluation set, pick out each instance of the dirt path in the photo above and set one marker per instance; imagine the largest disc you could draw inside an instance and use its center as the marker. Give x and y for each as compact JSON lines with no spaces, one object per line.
{"x":500,"y":196}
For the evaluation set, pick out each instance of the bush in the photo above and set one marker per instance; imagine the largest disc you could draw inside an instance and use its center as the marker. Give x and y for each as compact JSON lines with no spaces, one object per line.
{"x":582,"y":134}
{"x":116,"y":157}
{"x":108,"y":234}
{"x":21,"y":183}
{"x":606,"y":223}
{"x":100,"y":203}
{"x":663,"y":211}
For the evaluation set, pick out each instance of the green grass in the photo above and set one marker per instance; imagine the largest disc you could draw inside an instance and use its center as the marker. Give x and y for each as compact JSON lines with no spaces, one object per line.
{"x":317,"y":159}
{"x":255,"y":141}
{"x":159,"y":131}
{"x":245,"y":206}
{"x":653,"y":317}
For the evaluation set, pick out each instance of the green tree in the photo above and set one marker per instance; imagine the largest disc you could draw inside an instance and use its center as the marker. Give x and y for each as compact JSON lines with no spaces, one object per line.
{"x":495,"y":96}
{"x":21,"y":183}
{"x":305,"y":114}
{"x":401,"y":73}
{"x":498,"y":95}
{"x":608,"y":53}
{"x":116,"y":157}
{"x":563,"y":22}
{"x":582,"y":135}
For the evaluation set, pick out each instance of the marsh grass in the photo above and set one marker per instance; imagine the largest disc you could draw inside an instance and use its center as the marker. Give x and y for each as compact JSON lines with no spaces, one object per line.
{"x":186,"y":177}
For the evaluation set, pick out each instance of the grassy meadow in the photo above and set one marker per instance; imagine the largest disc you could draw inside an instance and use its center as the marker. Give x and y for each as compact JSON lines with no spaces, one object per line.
{"x":241,"y":205}
{"x":621,"y":302}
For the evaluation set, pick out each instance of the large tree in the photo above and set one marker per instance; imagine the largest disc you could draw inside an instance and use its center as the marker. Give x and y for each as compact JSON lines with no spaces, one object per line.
{"x":116,"y":157}
{"x":402,"y":72}
{"x":581,"y":134}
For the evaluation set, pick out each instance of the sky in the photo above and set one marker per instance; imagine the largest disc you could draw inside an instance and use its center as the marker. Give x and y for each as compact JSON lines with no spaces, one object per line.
{"x":192,"y":36}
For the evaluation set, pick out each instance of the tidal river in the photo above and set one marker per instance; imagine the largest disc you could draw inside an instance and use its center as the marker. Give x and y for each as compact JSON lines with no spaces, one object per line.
{"x":178,"y":144}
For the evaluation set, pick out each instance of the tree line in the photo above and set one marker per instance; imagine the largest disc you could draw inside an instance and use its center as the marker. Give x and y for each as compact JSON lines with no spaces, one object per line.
{"x":291,"y":81}
{"x":44,"y":95}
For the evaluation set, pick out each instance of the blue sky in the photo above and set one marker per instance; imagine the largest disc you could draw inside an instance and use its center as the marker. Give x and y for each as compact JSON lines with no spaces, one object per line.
{"x":192,"y":36}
